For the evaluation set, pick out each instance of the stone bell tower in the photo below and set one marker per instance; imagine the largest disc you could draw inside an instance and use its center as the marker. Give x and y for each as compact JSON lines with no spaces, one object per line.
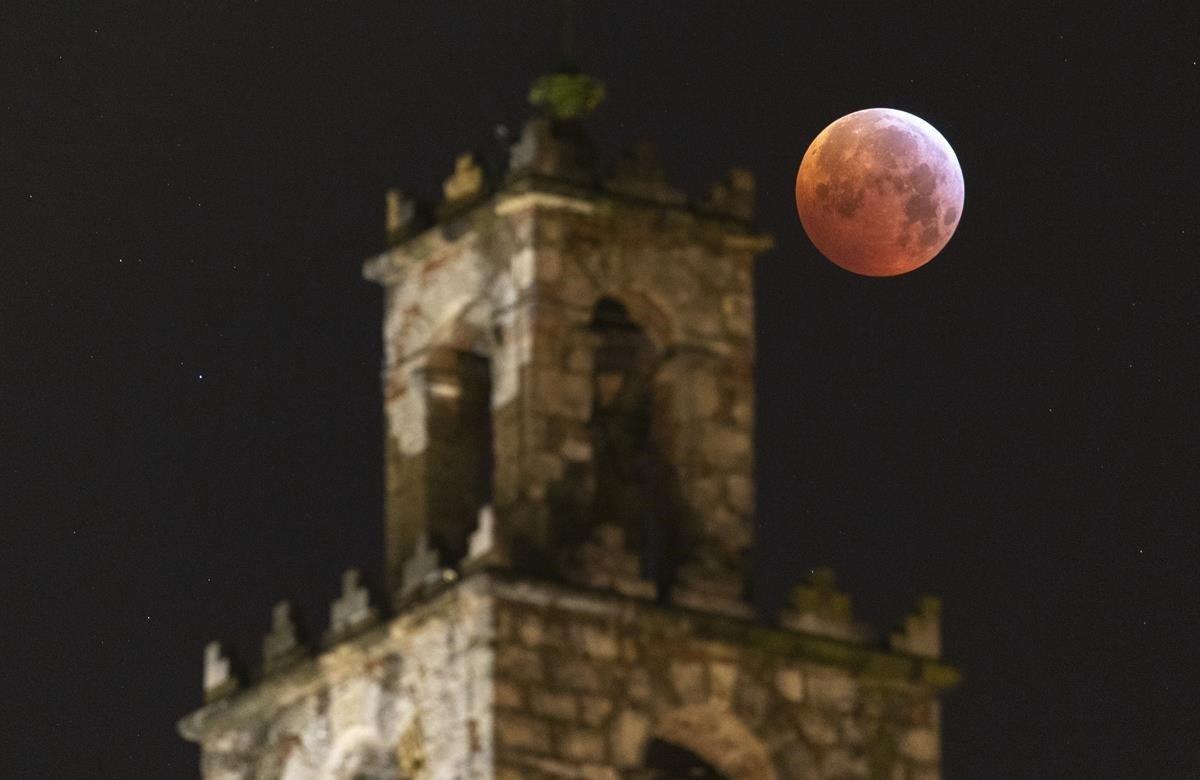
{"x":573,"y":355}
{"x":569,"y":512}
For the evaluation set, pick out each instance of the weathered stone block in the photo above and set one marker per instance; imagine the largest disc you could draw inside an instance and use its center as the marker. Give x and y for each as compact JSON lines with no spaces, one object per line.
{"x":579,"y":360}
{"x":638,"y":687}
{"x":705,"y":492}
{"x":742,"y":412}
{"x":523,"y":733}
{"x":576,"y":676}
{"x":818,"y":729}
{"x":575,"y":289}
{"x":549,"y":265}
{"x":508,"y":695}
{"x":739,"y":315}
{"x":594,"y":710}
{"x":600,"y":643}
{"x":576,"y":451}
{"x":844,"y":764}
{"x":629,"y":733}
{"x":831,"y":688}
{"x":530,"y":630}
{"x":740,"y":490}
{"x":722,"y":681}
{"x":706,"y":323}
{"x":852,"y":731}
{"x":687,"y":678}
{"x":725,"y":447}
{"x":920,"y":745}
{"x":796,"y":760}
{"x":582,"y":745}
{"x":557,"y":706}
{"x":565,"y":394}
{"x":790,"y":684}
{"x":752,"y":702}
{"x":520,"y":663}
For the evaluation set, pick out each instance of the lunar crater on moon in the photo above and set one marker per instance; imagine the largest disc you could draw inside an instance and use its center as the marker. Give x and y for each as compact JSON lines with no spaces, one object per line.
{"x":879,"y":192}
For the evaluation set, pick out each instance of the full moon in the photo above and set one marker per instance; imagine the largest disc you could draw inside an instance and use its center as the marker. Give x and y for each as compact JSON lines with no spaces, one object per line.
{"x":879,"y":192}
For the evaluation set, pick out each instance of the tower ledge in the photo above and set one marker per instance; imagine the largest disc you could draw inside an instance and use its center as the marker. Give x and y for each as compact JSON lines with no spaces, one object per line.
{"x":417,"y":237}
{"x":494,"y":613}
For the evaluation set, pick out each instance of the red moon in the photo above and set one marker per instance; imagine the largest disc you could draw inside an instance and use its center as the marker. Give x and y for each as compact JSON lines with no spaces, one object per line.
{"x":879,"y":192}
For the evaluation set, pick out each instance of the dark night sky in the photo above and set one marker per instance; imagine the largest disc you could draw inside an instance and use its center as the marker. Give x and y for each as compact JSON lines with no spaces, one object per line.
{"x":191,"y":423}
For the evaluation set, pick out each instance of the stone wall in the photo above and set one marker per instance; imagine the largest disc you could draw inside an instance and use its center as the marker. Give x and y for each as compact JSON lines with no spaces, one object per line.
{"x":584,"y":684}
{"x":497,"y":676}
{"x":517,"y":281}
{"x":408,"y":698}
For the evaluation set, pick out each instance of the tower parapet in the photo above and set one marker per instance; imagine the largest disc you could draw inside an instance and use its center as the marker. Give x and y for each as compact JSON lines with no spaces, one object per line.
{"x":922,"y":630}
{"x":405,"y":216}
{"x":352,"y":612}
{"x":734,"y":196}
{"x":221,"y":675}
{"x":638,"y":173}
{"x":284,"y":644}
{"x":817,"y":607}
{"x":465,"y":187}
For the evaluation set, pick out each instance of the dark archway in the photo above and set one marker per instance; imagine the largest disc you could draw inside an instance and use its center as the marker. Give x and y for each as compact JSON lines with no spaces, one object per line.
{"x":665,"y":760}
{"x":714,"y":736}
{"x":626,"y":463}
{"x":460,"y":460}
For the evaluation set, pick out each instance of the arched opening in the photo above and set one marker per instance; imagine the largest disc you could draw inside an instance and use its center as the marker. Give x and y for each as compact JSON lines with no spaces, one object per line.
{"x":666,"y":760}
{"x":623,"y":457}
{"x":709,"y":741}
{"x":458,"y":385}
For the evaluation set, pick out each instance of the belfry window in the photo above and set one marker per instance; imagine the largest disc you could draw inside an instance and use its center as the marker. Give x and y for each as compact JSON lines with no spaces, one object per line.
{"x":623,"y":454}
{"x":459,"y":390}
{"x":665,"y":760}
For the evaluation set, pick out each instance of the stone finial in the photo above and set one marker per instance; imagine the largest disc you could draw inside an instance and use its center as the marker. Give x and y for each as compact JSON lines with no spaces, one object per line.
{"x":405,"y":216}
{"x":482,"y":542}
{"x":220,"y":677}
{"x":734,"y":196}
{"x":639,"y":173}
{"x":465,"y":185}
{"x":352,"y":611}
{"x":922,"y":632}
{"x":605,"y":562}
{"x":709,"y":584}
{"x":423,"y":569}
{"x":817,"y":607}
{"x":283,"y":644}
{"x":560,"y":150}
